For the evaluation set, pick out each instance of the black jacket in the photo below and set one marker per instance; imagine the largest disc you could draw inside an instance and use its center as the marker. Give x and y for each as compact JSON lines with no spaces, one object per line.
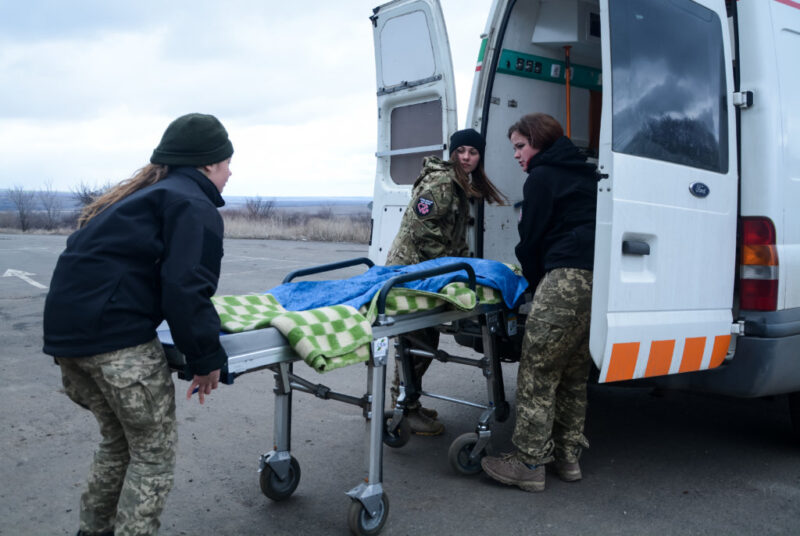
{"x":151,"y":256}
{"x":557,"y":220}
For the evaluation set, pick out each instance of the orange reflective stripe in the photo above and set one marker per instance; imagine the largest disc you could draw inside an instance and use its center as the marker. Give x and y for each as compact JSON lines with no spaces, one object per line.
{"x":660,"y":358}
{"x":624,"y":355}
{"x":623,"y":361}
{"x":721,"y":344}
{"x":692,"y":354}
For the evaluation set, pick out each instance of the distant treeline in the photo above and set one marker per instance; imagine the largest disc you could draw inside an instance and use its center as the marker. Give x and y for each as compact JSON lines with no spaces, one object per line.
{"x":341,"y":219}
{"x":69,"y":201}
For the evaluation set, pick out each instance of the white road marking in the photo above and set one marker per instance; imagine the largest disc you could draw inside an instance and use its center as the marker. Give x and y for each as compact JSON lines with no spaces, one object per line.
{"x":24,"y":276}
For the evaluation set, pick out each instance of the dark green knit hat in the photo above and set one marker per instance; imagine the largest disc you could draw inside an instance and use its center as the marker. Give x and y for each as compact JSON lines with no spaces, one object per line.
{"x":193,"y":140}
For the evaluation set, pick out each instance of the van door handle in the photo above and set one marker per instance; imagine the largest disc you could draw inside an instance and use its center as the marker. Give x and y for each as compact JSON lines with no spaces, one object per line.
{"x":635,"y":247}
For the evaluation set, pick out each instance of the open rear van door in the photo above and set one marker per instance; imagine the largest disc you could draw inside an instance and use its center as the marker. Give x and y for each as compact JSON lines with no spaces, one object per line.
{"x":416,"y":106}
{"x":667,"y":202}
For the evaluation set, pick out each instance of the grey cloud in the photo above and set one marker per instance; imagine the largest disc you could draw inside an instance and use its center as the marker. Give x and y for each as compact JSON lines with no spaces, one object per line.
{"x":244,"y":58}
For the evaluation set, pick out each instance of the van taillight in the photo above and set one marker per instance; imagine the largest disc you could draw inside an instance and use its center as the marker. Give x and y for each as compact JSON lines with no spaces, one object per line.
{"x":758,"y":265}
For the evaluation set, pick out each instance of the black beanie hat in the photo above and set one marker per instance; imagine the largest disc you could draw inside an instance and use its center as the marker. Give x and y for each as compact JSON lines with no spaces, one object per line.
{"x":469,"y":137}
{"x":193,"y":140}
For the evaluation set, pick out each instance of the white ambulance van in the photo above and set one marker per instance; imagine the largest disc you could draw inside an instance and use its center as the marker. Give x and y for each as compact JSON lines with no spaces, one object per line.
{"x":691,"y":110}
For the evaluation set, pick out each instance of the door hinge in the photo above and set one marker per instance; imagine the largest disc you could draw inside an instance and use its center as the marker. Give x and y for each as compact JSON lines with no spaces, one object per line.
{"x":737,"y":328}
{"x":743,"y":99}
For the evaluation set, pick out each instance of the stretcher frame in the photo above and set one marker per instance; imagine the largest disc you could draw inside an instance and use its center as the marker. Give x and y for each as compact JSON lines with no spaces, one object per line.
{"x":267,"y":348}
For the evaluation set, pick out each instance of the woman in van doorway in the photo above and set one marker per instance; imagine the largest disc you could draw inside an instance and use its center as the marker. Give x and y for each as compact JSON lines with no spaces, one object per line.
{"x":149,"y":249}
{"x":435,"y":225}
{"x":556,"y":252}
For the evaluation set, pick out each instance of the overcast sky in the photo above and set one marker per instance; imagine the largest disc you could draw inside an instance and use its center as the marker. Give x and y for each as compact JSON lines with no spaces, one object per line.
{"x":87,"y":87}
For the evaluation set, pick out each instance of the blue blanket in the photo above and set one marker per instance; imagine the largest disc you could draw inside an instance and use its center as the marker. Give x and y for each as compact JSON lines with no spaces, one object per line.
{"x":358,"y":290}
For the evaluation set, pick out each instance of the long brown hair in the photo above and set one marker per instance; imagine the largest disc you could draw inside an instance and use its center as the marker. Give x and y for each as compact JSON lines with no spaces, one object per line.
{"x":149,"y":174}
{"x":480,"y":185}
{"x":541,"y":130}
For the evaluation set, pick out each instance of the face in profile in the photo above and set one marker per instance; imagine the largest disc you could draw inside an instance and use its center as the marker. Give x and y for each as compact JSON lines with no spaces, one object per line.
{"x":523,"y":151}
{"x":219,"y":173}
{"x":468,"y":157}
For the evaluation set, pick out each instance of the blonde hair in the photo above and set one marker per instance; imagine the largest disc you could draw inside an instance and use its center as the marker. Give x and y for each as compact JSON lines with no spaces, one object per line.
{"x":149,"y":174}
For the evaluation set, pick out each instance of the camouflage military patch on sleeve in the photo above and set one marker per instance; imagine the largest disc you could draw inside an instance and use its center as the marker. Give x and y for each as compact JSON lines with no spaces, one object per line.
{"x":424,"y":206}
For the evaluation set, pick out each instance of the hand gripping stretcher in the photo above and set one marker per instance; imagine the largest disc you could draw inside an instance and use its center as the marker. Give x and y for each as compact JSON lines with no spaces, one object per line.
{"x":485,"y":324}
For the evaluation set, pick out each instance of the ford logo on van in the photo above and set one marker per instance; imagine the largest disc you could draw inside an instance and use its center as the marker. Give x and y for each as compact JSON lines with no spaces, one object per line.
{"x":699,"y":189}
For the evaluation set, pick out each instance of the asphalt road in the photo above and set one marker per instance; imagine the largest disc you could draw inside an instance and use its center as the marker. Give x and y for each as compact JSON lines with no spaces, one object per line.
{"x":660,"y":463}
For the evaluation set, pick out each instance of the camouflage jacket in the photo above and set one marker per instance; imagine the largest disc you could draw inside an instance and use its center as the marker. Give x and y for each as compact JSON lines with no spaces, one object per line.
{"x":435,"y":222}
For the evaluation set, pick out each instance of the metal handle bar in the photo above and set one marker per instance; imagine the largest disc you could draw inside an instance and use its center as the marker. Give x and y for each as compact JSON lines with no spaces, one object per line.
{"x":413,"y":276}
{"x":328,"y":268}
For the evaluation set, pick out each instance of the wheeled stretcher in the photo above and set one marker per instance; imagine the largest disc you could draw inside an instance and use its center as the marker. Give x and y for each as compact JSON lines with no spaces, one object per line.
{"x":250,"y":351}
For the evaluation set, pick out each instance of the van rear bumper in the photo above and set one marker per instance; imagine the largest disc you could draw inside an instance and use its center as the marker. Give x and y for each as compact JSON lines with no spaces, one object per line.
{"x":762,"y":364}
{"x":784,"y":323}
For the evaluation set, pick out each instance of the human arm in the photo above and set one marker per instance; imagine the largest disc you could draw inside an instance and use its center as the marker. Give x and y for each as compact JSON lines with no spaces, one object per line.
{"x":428,"y":225}
{"x":190,"y":264}
{"x":537,"y":210}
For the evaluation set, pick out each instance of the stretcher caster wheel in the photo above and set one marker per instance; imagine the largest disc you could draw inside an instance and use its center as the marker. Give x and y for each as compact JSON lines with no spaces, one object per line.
{"x":399,"y":436}
{"x":275,"y":488}
{"x":361,"y":523}
{"x":459,"y":454}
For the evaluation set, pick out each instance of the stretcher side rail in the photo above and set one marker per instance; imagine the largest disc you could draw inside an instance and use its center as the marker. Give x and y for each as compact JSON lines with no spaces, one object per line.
{"x":415,"y":276}
{"x":327,"y":268}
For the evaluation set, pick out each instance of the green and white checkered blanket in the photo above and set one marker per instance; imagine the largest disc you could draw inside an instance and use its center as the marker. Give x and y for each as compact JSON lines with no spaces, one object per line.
{"x":336,"y":336}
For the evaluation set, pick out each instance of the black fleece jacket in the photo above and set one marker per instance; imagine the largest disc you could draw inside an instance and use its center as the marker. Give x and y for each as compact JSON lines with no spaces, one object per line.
{"x":151,"y":256}
{"x":557,"y":220}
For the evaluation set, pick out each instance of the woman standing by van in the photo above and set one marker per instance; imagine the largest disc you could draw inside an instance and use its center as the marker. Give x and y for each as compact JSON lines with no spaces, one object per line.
{"x":435,"y":225}
{"x":148,"y":250}
{"x":556,"y":252}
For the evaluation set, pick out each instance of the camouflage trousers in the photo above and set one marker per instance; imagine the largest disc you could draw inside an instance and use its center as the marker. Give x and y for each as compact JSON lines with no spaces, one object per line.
{"x":131,"y":394}
{"x":427,"y":339}
{"x":554,"y":368}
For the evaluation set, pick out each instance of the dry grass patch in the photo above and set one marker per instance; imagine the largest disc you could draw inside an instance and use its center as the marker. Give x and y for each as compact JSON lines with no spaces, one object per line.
{"x":281,"y":225}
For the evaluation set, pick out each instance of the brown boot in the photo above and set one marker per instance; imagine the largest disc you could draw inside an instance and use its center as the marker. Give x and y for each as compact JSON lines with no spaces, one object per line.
{"x":509,"y":469}
{"x":429,"y":413}
{"x":421,"y":424}
{"x":568,"y":471}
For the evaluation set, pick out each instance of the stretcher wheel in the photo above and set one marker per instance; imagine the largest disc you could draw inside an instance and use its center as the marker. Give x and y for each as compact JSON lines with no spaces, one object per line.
{"x":361,"y":523}
{"x":275,"y":488}
{"x":459,"y":454}
{"x":400,"y":436}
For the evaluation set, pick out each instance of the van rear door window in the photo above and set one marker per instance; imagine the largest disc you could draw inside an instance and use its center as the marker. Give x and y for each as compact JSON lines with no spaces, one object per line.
{"x":417,"y":131}
{"x":668,"y":82}
{"x":404,"y":37}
